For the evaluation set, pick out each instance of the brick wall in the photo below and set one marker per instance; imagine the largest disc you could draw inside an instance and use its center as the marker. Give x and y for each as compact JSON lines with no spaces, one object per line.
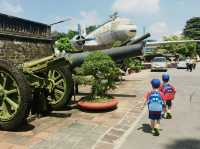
{"x":20,"y":51}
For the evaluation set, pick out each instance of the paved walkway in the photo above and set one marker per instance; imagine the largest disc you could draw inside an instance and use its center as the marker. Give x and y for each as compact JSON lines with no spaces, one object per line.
{"x":181,"y":132}
{"x":75,"y":129}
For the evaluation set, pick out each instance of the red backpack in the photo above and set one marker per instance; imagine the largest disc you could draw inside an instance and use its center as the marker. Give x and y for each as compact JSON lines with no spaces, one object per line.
{"x":168,"y":91}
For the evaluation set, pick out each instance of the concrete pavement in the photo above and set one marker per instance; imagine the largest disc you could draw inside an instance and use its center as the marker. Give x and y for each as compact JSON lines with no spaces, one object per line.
{"x":181,"y":132}
{"x":75,"y":129}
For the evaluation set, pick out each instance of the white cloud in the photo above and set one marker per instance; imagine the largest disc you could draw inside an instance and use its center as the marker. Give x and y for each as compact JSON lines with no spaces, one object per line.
{"x":159,"y":29}
{"x":86,"y":18}
{"x":89,"y":18}
{"x":137,"y":7}
{"x":11,"y":7}
{"x":61,"y":27}
{"x":178,"y":33}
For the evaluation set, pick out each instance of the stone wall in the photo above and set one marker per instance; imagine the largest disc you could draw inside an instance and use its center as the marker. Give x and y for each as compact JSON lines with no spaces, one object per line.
{"x":20,"y":51}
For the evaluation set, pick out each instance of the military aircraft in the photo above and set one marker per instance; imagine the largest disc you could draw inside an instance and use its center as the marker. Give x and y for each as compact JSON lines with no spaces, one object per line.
{"x":115,"y":29}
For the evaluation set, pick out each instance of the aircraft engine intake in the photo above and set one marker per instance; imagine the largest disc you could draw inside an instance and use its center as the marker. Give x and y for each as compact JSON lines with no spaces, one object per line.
{"x":80,"y":40}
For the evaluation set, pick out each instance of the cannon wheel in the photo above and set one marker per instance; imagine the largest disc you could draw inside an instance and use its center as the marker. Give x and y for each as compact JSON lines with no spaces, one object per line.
{"x":15,"y":96}
{"x":60,"y":87}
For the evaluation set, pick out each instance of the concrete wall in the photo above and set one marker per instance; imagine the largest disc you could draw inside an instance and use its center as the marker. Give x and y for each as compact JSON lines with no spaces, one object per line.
{"x":20,"y":51}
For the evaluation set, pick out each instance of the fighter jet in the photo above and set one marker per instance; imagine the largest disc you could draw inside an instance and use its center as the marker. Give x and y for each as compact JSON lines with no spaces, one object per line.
{"x":115,"y":29}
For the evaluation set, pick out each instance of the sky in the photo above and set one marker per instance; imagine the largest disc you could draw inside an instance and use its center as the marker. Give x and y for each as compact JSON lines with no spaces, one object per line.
{"x":159,"y":17}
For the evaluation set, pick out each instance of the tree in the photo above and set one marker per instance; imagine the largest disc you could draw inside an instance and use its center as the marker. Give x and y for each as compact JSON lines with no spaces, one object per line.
{"x":185,"y":49}
{"x":104,"y":72}
{"x":192,"y":28}
{"x":57,"y":35}
{"x":63,"y":44}
{"x":133,"y":64}
{"x":91,"y":28}
{"x":71,"y":34}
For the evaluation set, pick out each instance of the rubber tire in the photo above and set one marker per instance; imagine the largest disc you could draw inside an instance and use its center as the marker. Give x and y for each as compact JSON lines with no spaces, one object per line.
{"x":66,"y":72}
{"x":25,"y":92}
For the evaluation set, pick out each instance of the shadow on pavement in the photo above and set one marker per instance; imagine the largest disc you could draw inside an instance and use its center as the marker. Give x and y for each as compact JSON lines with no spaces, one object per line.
{"x":59,"y":115}
{"x":23,"y":128}
{"x":132,"y":80}
{"x":115,"y":95}
{"x":185,"y":144}
{"x":158,"y":70}
{"x":145,"y":128}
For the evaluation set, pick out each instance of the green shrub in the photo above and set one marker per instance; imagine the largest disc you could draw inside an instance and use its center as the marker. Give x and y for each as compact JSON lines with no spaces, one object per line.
{"x":63,"y":44}
{"x":133,"y":64}
{"x":104,"y":72}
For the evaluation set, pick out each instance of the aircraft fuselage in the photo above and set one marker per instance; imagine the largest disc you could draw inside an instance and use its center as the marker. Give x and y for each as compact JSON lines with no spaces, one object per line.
{"x":119,"y":29}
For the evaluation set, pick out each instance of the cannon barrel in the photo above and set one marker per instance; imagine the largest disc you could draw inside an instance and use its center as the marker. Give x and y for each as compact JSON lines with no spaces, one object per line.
{"x":116,"y":53}
{"x":137,"y":40}
{"x":76,"y":59}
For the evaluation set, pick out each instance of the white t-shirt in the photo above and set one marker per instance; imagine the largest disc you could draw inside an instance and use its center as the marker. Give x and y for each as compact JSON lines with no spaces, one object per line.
{"x":188,"y":61}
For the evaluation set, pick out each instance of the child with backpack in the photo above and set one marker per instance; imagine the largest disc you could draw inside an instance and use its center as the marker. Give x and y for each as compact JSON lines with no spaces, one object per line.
{"x":154,"y":100}
{"x":169,"y":93}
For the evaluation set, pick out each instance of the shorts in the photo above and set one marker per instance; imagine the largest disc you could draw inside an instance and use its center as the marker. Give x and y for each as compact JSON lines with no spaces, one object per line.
{"x":154,"y":115}
{"x":169,"y":103}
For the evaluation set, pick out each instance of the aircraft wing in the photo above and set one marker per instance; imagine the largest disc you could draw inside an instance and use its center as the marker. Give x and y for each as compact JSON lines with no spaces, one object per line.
{"x":157,"y":43}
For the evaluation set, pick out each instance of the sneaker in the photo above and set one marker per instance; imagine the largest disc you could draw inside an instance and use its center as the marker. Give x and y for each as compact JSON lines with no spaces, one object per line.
{"x":169,"y":116}
{"x":164,"y":116}
{"x":152,"y":131}
{"x":156,"y":133}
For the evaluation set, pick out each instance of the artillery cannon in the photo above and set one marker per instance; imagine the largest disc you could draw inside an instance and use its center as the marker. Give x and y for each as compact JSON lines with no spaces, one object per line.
{"x":42,"y":83}
{"x":137,"y":40}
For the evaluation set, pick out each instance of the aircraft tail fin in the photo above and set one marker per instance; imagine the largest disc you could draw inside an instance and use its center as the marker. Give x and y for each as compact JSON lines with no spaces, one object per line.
{"x":81,"y":30}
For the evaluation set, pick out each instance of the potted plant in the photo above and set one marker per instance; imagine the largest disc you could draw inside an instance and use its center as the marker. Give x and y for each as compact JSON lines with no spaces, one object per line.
{"x":103,"y":73}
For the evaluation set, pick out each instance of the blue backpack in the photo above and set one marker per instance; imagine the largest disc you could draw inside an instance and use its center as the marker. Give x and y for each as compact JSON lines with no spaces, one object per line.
{"x":155,"y":102}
